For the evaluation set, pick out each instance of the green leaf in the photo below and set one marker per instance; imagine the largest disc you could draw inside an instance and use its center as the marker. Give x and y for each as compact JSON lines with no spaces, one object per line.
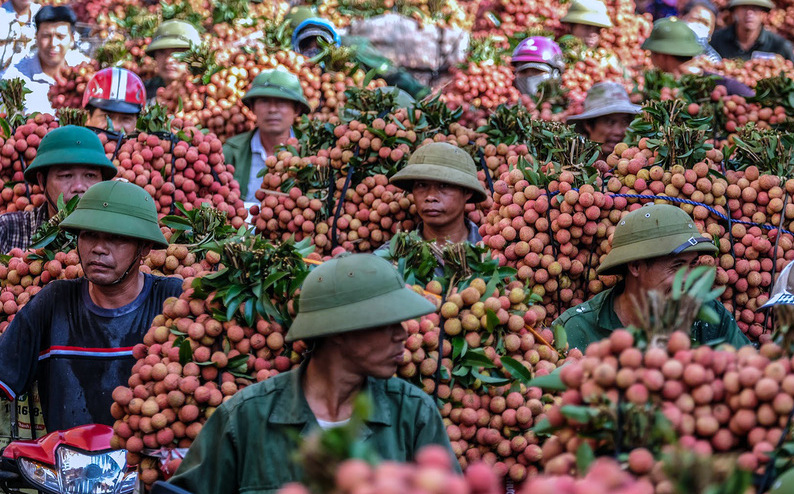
{"x":580,"y":413}
{"x":549,"y":382}
{"x":185,"y":353}
{"x":459,"y":347}
{"x":493,"y":380}
{"x":491,"y":320}
{"x":543,"y":427}
{"x":474,"y":358}
{"x":516,"y":369}
{"x":560,"y":338}
{"x":584,"y":457}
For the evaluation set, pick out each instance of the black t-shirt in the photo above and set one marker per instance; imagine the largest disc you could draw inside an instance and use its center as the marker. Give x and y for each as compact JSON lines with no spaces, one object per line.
{"x":727,"y":44}
{"x":77,"y":351}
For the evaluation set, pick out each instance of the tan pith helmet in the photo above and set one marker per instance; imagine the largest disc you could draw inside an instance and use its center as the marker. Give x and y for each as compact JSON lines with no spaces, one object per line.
{"x":352,"y":292}
{"x":588,"y":12}
{"x":654,"y":230}
{"x":441,"y":162}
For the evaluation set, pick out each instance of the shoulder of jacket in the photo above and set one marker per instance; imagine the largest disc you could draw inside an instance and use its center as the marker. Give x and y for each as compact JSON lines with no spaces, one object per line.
{"x":395,"y":385}
{"x":239,"y":140}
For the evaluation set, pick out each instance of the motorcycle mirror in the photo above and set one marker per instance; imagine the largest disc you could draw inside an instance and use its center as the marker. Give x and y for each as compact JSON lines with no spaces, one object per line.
{"x":166,"y":488}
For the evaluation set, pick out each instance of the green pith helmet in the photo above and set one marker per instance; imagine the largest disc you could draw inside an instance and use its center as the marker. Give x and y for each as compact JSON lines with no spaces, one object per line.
{"x":588,"y":12}
{"x":441,"y":162}
{"x":673,"y":37}
{"x":118,"y":208}
{"x":654,"y":230}
{"x":783,"y":484}
{"x":70,"y":145}
{"x":174,"y":34}
{"x":276,"y":83}
{"x":298,"y":14}
{"x":352,"y":292}
{"x":764,"y":4}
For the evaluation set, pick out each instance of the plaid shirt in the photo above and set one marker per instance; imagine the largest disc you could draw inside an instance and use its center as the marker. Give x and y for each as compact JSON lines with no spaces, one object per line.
{"x":17,"y":228}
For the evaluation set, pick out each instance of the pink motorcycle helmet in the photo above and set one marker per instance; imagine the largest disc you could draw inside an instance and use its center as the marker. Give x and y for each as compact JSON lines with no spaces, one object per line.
{"x":538,"y":50}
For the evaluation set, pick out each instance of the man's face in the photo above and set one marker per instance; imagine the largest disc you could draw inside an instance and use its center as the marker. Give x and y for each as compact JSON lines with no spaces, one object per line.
{"x":105,"y":257}
{"x":609,"y":130}
{"x":274,"y":116}
{"x":439,"y":204}
{"x":169,"y":68}
{"x":69,"y":180}
{"x":310,"y":47}
{"x":664,"y":62}
{"x":375,"y":352}
{"x":749,"y":17}
{"x":119,"y":121}
{"x":702,"y":15}
{"x":658,"y":274}
{"x":590,"y":35}
{"x":53,"y":39}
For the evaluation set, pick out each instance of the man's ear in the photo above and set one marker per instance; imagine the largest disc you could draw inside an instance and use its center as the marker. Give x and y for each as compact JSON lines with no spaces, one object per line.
{"x":41,"y":177}
{"x":633,"y":268}
{"x":467,"y":194}
{"x":147,"y":248}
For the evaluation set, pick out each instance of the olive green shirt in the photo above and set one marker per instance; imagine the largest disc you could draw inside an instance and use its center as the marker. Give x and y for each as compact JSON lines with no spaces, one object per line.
{"x":246,"y":446}
{"x":595,"y":320}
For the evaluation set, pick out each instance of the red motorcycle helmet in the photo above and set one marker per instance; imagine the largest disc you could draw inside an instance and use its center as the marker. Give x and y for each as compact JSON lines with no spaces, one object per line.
{"x":117,"y":90}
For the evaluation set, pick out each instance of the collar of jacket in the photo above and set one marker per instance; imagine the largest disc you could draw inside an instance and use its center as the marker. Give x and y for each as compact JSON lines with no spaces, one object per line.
{"x":293,"y":409}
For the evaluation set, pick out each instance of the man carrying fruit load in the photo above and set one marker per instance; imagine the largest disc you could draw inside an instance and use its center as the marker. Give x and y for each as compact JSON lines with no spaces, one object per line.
{"x":276,"y":99}
{"x":536,"y":60}
{"x":442,"y":179}
{"x":585,"y":19}
{"x":114,"y":98}
{"x":649,"y":246}
{"x":606,"y":116}
{"x":171,"y":38}
{"x":350,"y":315}
{"x":70,"y":159}
{"x":673,"y":44}
{"x":76,"y":336}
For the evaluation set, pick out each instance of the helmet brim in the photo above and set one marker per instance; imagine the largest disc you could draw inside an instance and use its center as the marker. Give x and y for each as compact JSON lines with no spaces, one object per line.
{"x":406,"y":177}
{"x":646,"y":249}
{"x":276,"y":92}
{"x":381,"y":310}
{"x":116,"y":106}
{"x":114,"y":223}
{"x":618,"y":108}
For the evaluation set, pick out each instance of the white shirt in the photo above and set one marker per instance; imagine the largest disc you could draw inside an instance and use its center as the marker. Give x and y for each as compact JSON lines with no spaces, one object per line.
{"x":325,"y":425}
{"x":17,"y":35}
{"x":29,"y":70}
{"x":258,"y":157}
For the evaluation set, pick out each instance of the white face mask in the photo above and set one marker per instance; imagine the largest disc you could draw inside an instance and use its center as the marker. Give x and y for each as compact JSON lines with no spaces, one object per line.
{"x":701,"y":30}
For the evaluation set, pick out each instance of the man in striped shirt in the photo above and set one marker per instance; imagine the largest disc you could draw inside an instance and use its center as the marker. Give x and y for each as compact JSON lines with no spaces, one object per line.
{"x":75,"y":338}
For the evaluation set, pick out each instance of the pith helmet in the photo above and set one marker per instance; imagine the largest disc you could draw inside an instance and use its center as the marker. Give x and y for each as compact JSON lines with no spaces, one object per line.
{"x":277,"y":84}
{"x":764,"y":4}
{"x":654,"y":230}
{"x":783,"y":291}
{"x":784,"y":484}
{"x":352,"y":292}
{"x":589,"y":12}
{"x":672,"y":36}
{"x":298,"y":14}
{"x":119,"y":208}
{"x":606,"y":98}
{"x":174,"y":34}
{"x":70,"y":145}
{"x":441,"y":162}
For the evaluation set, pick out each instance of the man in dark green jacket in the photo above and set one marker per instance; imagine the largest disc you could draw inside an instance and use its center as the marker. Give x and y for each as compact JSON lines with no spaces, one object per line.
{"x":350,"y":314}
{"x":277,"y":99}
{"x":649,"y":246}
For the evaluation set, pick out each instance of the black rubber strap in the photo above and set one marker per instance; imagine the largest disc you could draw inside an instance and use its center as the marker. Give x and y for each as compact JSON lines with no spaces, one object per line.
{"x":693,"y":241}
{"x":485,"y":170}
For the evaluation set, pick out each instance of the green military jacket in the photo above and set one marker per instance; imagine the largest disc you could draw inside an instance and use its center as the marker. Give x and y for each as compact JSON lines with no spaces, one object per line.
{"x":595,"y":320}
{"x":246,"y":445}
{"x":237,"y":152}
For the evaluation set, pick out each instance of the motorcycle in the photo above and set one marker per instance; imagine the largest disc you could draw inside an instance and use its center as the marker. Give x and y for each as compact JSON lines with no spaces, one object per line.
{"x":76,"y":461}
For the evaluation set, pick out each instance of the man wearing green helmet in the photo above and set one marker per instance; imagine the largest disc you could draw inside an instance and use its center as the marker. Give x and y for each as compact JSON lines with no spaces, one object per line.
{"x":350,"y":315}
{"x":673,"y":44}
{"x":170,"y":38}
{"x":276,"y":98}
{"x":70,"y":159}
{"x":585,"y":20}
{"x":746,"y":38}
{"x":76,"y":336}
{"x":649,"y":246}
{"x":442,"y":179}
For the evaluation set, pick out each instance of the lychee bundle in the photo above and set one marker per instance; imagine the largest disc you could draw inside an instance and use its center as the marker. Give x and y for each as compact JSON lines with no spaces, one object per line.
{"x":431,"y":473}
{"x":715,"y":400}
{"x":188,"y":168}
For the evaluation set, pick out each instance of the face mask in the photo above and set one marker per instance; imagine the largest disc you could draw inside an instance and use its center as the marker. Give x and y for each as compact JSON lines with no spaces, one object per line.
{"x":311,"y":52}
{"x":701,"y":30}
{"x":529,"y":85}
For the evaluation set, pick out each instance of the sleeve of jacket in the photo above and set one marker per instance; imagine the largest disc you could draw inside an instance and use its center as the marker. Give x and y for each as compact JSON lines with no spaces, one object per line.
{"x":210,"y":466}
{"x":19,"y":348}
{"x":228,"y":155}
{"x":430,"y":429}
{"x":729,"y":330}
